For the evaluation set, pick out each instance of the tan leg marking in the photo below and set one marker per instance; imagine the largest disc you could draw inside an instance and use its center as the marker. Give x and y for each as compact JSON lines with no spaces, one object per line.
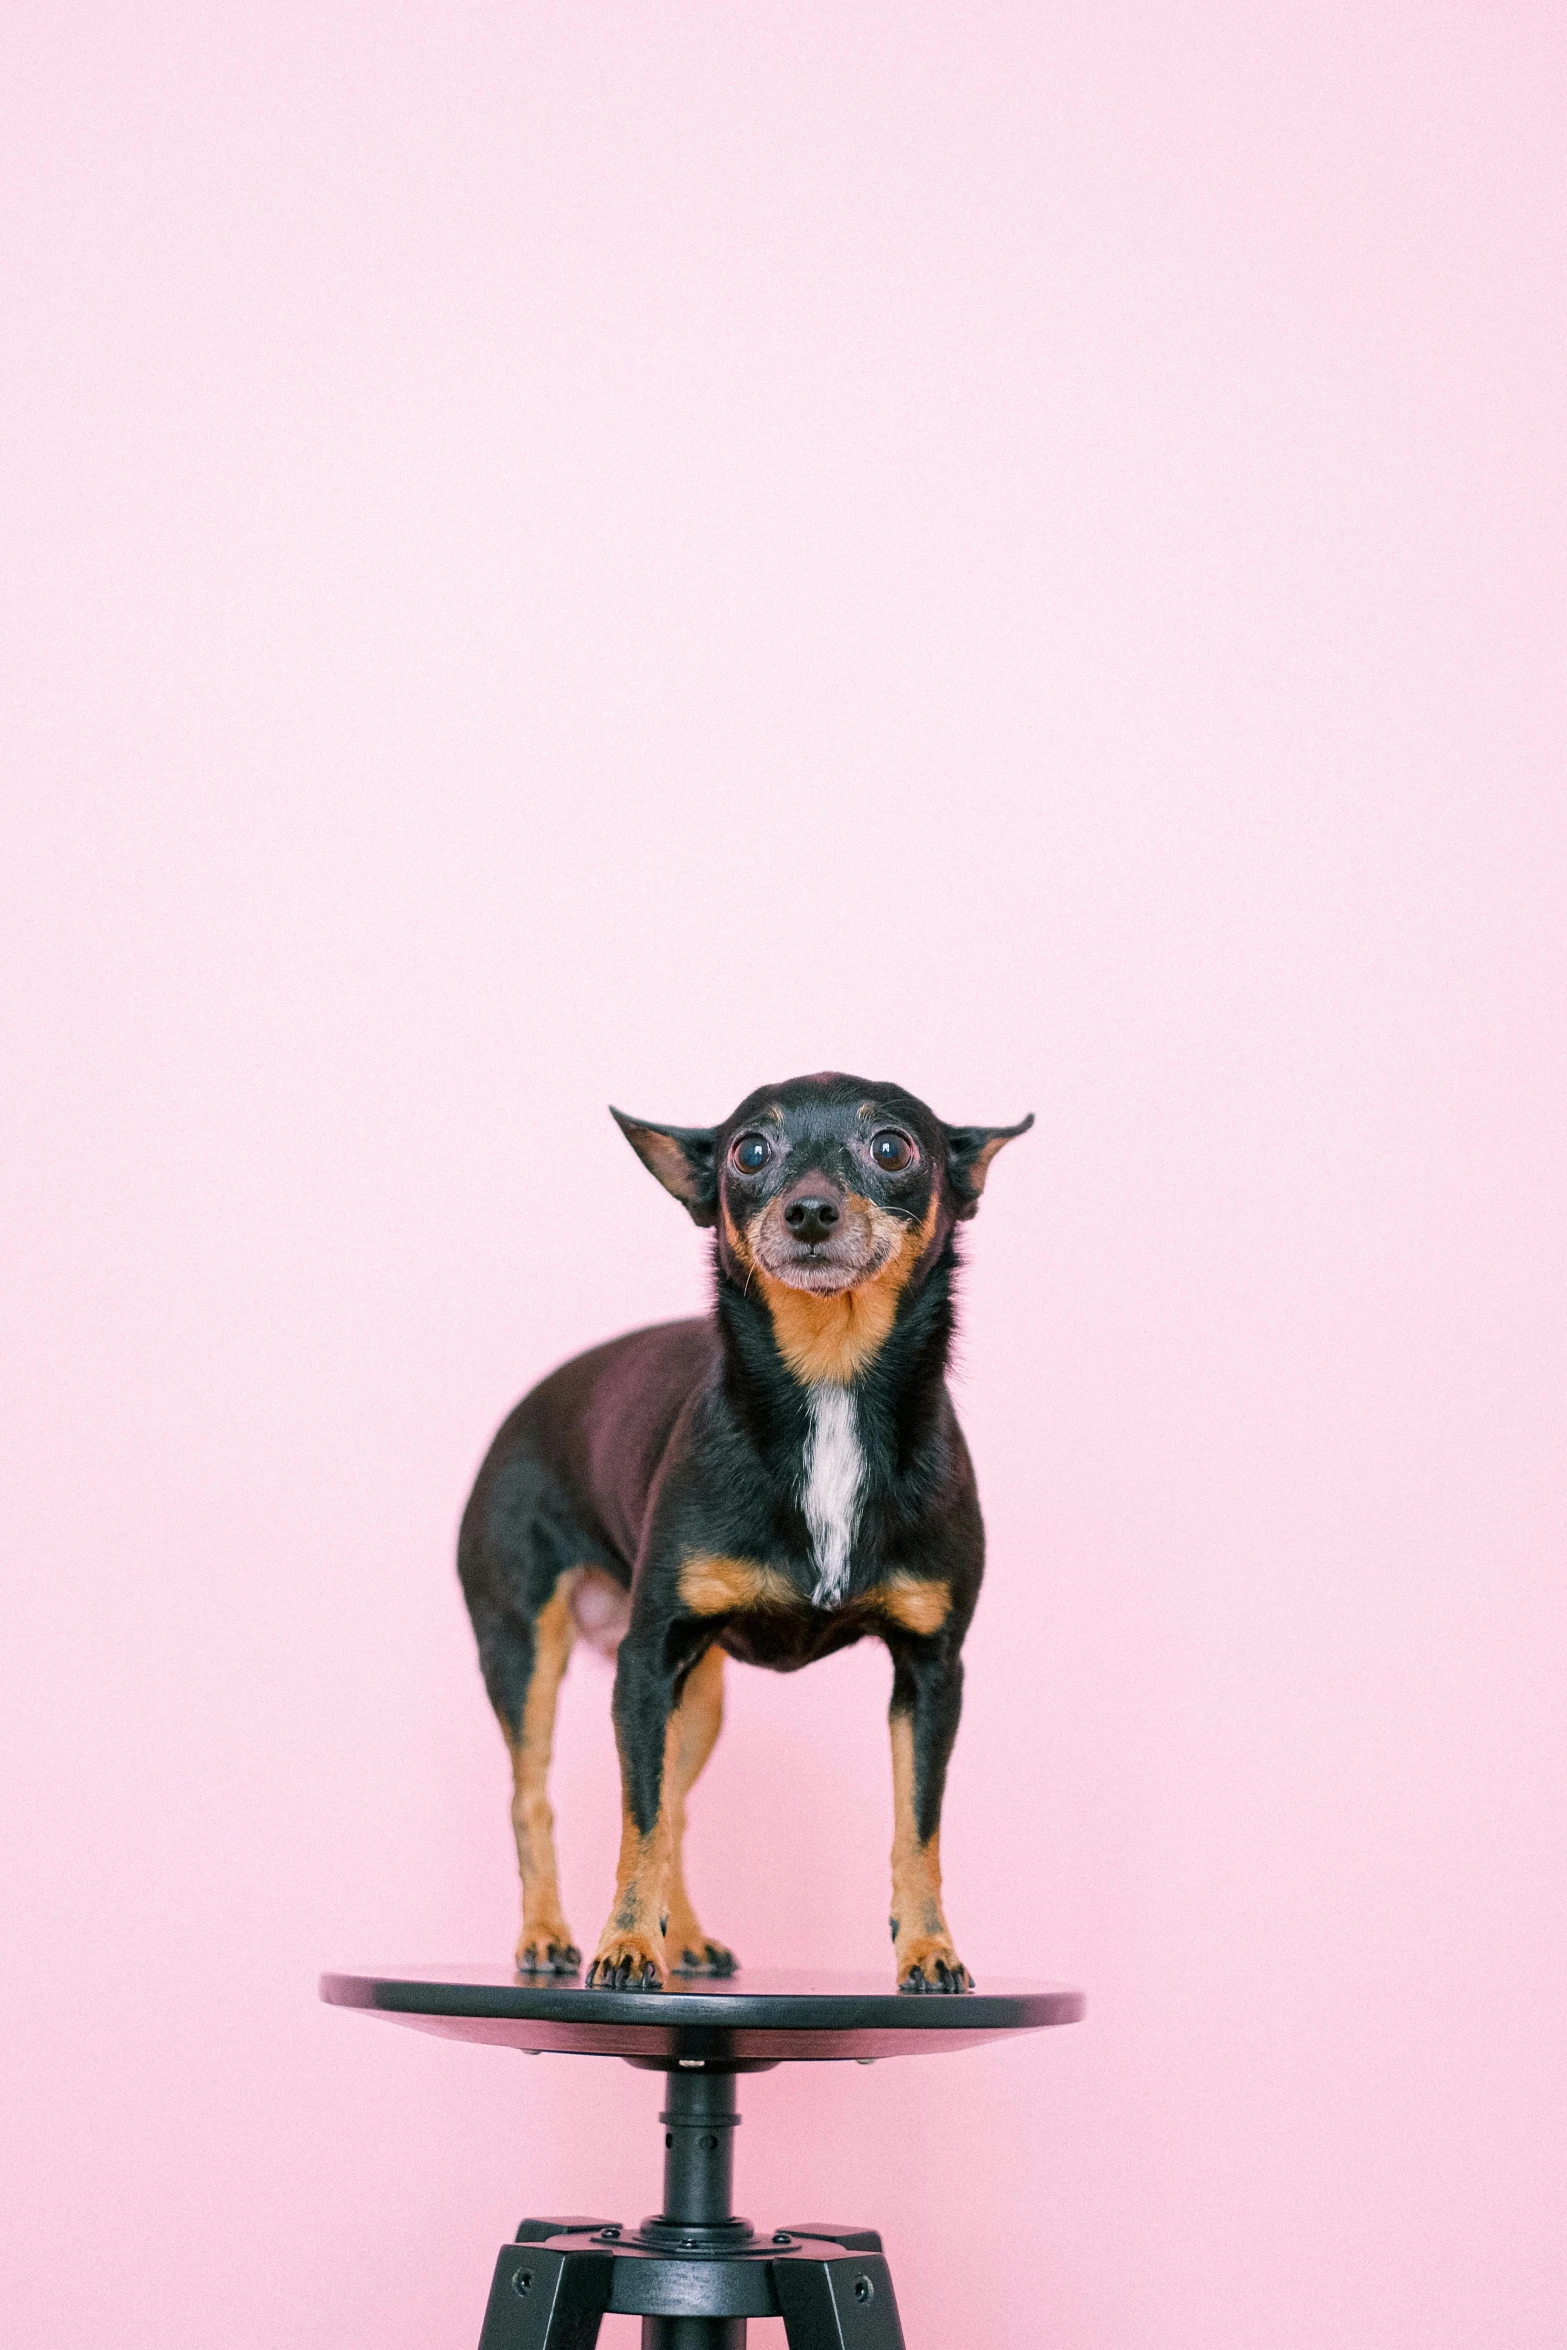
{"x":921,"y":1942}
{"x":632,"y":1950}
{"x":652,"y":1923}
{"x":701,"y":1717}
{"x":545,"y":1941}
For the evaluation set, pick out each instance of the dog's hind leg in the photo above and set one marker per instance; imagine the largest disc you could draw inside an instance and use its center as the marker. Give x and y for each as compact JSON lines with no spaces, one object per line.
{"x":699,"y":1719}
{"x":545,"y":1944}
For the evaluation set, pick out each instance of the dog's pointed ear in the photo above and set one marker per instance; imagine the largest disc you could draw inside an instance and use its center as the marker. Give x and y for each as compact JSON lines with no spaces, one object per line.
{"x":682,"y":1159}
{"x":970,"y":1150}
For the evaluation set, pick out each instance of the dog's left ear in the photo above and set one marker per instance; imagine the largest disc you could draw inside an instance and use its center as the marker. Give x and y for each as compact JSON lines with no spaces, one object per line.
{"x":682,"y":1159}
{"x":970,"y":1150}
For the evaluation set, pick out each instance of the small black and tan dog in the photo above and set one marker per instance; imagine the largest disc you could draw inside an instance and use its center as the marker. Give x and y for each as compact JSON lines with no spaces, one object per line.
{"x":772,"y":1482}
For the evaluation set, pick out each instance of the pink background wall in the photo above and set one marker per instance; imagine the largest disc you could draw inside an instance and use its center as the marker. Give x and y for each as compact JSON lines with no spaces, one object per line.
{"x":568,"y":554}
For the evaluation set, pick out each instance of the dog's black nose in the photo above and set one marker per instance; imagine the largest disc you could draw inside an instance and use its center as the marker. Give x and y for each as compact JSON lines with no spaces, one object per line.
{"x":811,"y":1217}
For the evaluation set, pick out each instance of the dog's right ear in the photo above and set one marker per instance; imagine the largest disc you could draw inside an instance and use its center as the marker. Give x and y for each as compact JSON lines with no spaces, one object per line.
{"x":682,"y":1159}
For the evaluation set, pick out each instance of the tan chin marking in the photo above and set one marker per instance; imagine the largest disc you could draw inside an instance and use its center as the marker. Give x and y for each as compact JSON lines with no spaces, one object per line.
{"x":831,"y":1335}
{"x":712,"y":1586}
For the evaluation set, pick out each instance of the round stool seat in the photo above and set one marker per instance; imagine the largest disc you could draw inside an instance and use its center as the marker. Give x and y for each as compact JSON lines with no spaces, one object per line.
{"x":746,"y":2019}
{"x":694,"y":2272}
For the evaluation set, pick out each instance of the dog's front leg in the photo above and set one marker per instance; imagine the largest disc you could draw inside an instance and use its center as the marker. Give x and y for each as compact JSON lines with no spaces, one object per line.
{"x":631,"y":1953}
{"x":927,"y":1697}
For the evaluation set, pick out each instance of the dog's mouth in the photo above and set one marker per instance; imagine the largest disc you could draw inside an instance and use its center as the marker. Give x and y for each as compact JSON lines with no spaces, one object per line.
{"x":825,"y":1267}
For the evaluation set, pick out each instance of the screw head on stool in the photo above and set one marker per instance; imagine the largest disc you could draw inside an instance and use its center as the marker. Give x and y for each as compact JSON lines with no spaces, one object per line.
{"x":864,"y":2290}
{"x":522,"y":2281}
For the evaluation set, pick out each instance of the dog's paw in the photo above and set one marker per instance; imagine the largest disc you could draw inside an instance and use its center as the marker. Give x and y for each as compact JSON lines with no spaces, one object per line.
{"x":931,"y":1964}
{"x":548,"y":1950}
{"x":706,"y":1958}
{"x":628,"y":1962}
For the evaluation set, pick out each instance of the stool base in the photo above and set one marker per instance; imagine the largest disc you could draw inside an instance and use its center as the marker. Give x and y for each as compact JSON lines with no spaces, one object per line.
{"x":830,"y":2286}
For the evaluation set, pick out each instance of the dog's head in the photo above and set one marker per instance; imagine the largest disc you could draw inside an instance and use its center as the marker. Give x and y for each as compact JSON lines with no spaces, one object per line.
{"x":824,"y":1185}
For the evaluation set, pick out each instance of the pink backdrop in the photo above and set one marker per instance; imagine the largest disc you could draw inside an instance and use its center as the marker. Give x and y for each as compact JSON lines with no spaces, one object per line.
{"x":558,"y":555}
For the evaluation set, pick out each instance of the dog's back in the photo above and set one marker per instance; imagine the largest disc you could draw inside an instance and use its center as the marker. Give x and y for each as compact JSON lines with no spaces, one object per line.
{"x":566,"y":1481}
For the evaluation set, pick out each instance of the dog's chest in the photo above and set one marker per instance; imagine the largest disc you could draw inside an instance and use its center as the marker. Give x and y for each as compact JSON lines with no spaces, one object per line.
{"x":833,"y":1475}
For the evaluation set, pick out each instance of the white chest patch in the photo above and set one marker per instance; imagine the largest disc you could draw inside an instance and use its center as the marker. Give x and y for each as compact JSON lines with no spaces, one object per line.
{"x":834,"y":1467}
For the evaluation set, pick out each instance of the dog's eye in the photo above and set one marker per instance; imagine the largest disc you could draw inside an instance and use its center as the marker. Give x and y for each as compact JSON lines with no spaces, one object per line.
{"x":892,"y":1152}
{"x":750,"y":1153}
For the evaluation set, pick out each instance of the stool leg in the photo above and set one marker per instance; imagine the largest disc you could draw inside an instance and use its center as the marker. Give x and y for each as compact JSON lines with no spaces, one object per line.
{"x":845,"y":2303}
{"x":544,"y":2299}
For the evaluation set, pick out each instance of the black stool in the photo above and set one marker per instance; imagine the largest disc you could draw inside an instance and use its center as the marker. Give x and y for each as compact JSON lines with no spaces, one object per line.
{"x":694,"y":2272}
